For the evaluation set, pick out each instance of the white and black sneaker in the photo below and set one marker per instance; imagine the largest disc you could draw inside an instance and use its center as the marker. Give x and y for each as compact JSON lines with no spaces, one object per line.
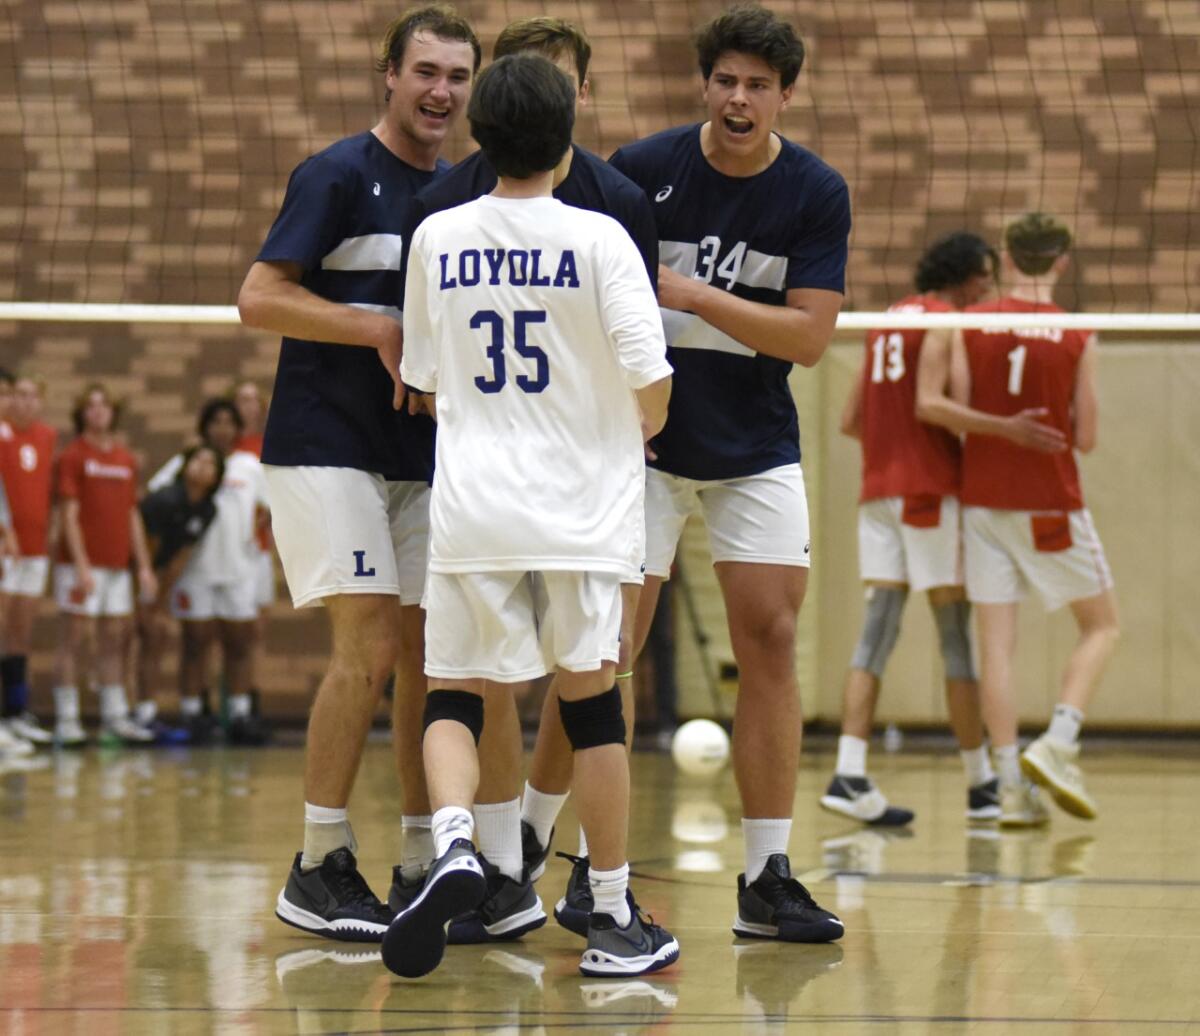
{"x":640,"y":948}
{"x":26,"y":725}
{"x":333,"y":901}
{"x":575,"y":907}
{"x":511,"y":909}
{"x":776,"y":906}
{"x":859,"y":799}
{"x":416,"y":939}
{"x":533,"y":853}
{"x":983,"y":801}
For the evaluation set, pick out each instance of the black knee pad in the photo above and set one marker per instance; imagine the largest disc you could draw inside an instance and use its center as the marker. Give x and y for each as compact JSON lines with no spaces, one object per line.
{"x":594,"y":721}
{"x":461,"y":706}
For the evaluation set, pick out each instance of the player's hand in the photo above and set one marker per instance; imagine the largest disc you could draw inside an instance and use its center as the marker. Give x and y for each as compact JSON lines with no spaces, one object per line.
{"x":147,"y":585}
{"x":1029,"y":430}
{"x":8,"y":542}
{"x":85,"y":582}
{"x":675,"y":291}
{"x":423,"y":403}
{"x":391,"y":349}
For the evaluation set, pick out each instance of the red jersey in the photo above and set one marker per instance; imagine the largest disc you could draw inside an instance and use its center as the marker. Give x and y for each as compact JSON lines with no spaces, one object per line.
{"x":1013,"y":371}
{"x":251,"y":443}
{"x":902,"y":456}
{"x":26,"y":465}
{"x":105,"y":484}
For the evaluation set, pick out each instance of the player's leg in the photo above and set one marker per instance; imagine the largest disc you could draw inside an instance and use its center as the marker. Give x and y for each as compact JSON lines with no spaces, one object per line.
{"x":114,"y":633}
{"x":197,"y":636}
{"x":758,"y":529}
{"x":237,"y":633}
{"x":74,"y":635}
{"x":28,"y":586}
{"x":1079,"y":575}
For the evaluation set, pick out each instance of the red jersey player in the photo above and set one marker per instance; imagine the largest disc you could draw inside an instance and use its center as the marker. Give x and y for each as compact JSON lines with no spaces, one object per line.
{"x":26,"y":466}
{"x":102,"y":533}
{"x":1024,"y":519}
{"x":908,"y":536}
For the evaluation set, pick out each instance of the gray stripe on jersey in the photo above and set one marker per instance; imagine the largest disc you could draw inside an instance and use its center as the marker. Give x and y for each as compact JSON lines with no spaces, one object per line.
{"x":368,"y":252}
{"x":392,"y":311}
{"x":758,"y":270}
{"x":688,"y":331}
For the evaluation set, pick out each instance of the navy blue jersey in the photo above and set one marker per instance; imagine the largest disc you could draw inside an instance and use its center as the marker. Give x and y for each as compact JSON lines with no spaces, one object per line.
{"x":591,"y":183}
{"x":342,"y":220}
{"x":732,"y":413}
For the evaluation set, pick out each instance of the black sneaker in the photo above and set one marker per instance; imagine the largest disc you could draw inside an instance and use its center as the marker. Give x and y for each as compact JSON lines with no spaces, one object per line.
{"x":511,"y":909}
{"x":202,"y":729}
{"x":533,"y":853}
{"x":404,"y":890}
{"x":641,"y":947}
{"x":859,"y":799}
{"x":983,"y":801}
{"x":416,"y":940}
{"x":776,"y":906}
{"x":249,"y":731}
{"x":574,"y":909}
{"x":333,"y":900}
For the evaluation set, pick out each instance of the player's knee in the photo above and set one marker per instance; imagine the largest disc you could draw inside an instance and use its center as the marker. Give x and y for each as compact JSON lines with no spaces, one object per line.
{"x":595,"y":721}
{"x":458,"y":706}
{"x":953,"y":619}
{"x":881,"y":627}
{"x":771,"y":634}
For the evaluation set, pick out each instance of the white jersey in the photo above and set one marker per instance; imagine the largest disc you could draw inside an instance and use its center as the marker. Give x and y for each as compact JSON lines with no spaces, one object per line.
{"x":228,"y":550}
{"x":533,"y":322}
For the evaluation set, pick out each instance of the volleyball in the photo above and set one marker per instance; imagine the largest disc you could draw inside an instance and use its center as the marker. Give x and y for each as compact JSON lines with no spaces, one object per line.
{"x":700,"y":748}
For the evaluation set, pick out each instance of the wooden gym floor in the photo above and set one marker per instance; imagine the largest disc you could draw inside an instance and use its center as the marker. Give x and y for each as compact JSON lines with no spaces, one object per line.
{"x":137,"y":890}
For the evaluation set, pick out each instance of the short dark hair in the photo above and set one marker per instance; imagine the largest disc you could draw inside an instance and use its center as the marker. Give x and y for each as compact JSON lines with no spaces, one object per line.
{"x":751,"y":29}
{"x":81,"y":402}
{"x":1035,"y":241}
{"x":440,"y":19}
{"x":214,"y":407}
{"x":551,"y":37}
{"x":522,"y":112}
{"x":200,"y":447}
{"x":953,"y":260}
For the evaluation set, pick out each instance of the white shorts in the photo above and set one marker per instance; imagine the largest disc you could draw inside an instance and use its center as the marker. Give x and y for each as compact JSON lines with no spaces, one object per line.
{"x":345,"y":531}
{"x":892,"y":549}
{"x":195,"y":600}
{"x":111,"y":597}
{"x":25,"y":577}
{"x":1066,"y":563}
{"x":264,"y":579}
{"x":513,"y":626}
{"x":761,"y":519}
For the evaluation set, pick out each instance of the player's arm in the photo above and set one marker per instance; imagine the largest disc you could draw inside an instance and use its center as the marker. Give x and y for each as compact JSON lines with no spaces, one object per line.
{"x":652,"y":401}
{"x":147,"y":584}
{"x":419,"y":361}
{"x":1085,"y":410}
{"x":852,"y":411}
{"x":936,"y":388}
{"x":8,"y":536}
{"x":76,"y":551}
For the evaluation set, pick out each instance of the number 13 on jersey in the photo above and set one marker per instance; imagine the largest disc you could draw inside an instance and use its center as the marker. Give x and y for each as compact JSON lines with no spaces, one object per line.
{"x":522,"y":318}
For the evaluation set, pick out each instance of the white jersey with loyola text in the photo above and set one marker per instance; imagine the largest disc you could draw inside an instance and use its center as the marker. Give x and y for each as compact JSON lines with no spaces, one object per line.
{"x":534,"y":323}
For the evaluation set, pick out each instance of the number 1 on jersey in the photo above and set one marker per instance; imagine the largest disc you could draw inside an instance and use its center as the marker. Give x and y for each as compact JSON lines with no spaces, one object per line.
{"x":1016,"y":369}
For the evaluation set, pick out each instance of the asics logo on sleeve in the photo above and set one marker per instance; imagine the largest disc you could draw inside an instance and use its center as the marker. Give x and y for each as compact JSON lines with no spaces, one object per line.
{"x":375,"y":189}
{"x":664,"y":194}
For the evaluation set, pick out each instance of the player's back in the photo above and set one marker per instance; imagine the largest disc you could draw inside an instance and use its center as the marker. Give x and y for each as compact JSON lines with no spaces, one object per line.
{"x":542,"y":322}
{"x":902,"y":456}
{"x":1011,"y":371}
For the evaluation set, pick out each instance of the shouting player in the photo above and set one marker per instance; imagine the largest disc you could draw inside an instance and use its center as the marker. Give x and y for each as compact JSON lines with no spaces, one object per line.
{"x":535,"y":328}
{"x":348,"y":476}
{"x":752,"y":234}
{"x":1025,"y":525}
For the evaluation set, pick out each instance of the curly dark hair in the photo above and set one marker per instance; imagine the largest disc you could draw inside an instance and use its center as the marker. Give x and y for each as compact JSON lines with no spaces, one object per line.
{"x":953,"y":260}
{"x":751,"y":29}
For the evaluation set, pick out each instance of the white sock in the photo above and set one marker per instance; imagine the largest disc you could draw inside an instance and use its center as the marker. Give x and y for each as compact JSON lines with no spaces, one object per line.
{"x":540,"y":810}
{"x":1064,"y":725}
{"x":582,"y":841}
{"x":66,"y":703}
{"x":608,"y":893}
{"x":326,"y":828}
{"x":764,"y":838}
{"x":145,"y":712}
{"x":1007,"y":764}
{"x":113,"y":704}
{"x":190,"y":705}
{"x":851,"y":758}
{"x":977,"y":765}
{"x":498,"y":825}
{"x":240,"y":706}
{"x":450,"y":823}
{"x":416,"y":845}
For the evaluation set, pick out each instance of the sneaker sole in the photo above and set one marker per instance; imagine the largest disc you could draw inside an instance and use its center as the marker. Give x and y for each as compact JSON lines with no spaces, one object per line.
{"x":598,"y":964}
{"x":893,"y":816}
{"x":572,"y":918}
{"x":416,"y":940}
{"x":1025,"y":821}
{"x":983,"y":815}
{"x":826,"y":931}
{"x":474,"y":931}
{"x":343,"y":929}
{"x":1063,"y":796}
